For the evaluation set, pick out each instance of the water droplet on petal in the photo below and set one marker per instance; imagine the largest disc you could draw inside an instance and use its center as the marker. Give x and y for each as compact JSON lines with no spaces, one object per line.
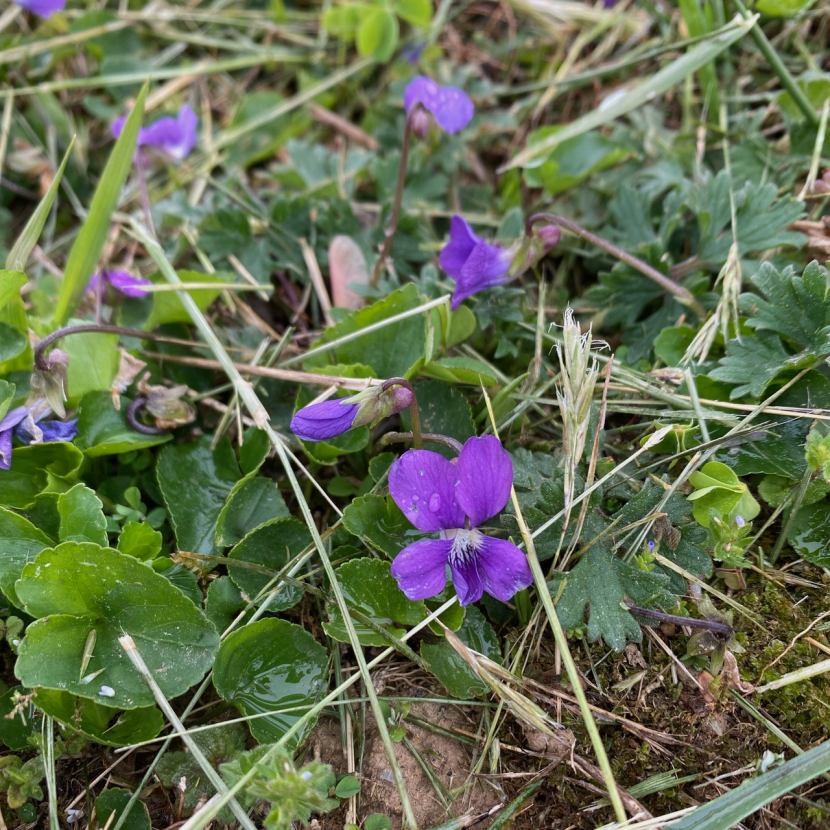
{"x":435,"y":502}
{"x":415,"y":498}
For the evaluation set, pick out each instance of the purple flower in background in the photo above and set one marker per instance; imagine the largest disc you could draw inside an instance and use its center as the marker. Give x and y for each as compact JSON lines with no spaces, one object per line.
{"x":473,"y":263}
{"x":42,"y":8}
{"x":740,"y":521}
{"x":122,"y":281}
{"x":7,"y":426}
{"x":451,"y":106}
{"x":173,"y":137}
{"x":328,"y":419}
{"x":412,"y":53}
{"x":438,"y":496}
{"x":651,"y":547}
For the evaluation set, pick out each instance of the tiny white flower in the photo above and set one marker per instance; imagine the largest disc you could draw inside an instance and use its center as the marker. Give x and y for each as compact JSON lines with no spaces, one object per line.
{"x":107,"y":691}
{"x":305,"y":775}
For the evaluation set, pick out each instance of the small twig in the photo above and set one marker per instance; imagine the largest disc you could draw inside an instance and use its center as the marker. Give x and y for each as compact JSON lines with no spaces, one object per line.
{"x":396,"y":204}
{"x":683,"y":295}
{"x":721,"y":629}
{"x":317,"y":281}
{"x":331,"y":119}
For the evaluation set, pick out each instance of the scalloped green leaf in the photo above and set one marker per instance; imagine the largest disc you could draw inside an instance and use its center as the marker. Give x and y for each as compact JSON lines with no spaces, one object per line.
{"x":76,"y":588}
{"x":271,"y":665}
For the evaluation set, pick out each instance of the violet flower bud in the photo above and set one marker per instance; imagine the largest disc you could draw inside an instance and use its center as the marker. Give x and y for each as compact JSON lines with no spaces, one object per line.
{"x":328,"y":419}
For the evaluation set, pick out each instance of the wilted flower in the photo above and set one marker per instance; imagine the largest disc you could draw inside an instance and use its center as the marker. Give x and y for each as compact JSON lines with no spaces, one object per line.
{"x":25,"y":423}
{"x":476,"y":265}
{"x":450,"y":106}
{"x":328,"y":419}
{"x":121,"y":281}
{"x":42,"y":8}
{"x":49,"y":383}
{"x":172,"y":137}
{"x":438,"y":496}
{"x":165,"y":404}
{"x":31,"y":432}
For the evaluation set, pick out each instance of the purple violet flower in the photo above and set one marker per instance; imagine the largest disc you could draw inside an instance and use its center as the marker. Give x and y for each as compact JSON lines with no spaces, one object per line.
{"x":173,"y":137}
{"x":49,"y":431}
{"x":451,"y":106}
{"x":740,"y":521}
{"x":7,"y":426}
{"x":651,"y":547}
{"x":412,"y":53}
{"x":328,"y":419}
{"x":42,"y":8}
{"x":121,"y":281}
{"x":438,"y":496}
{"x":473,"y":263}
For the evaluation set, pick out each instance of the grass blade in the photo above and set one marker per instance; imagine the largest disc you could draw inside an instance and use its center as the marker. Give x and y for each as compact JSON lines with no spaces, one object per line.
{"x":19,"y":254}
{"x":730,"y":808}
{"x":657,"y":84}
{"x":90,"y":241}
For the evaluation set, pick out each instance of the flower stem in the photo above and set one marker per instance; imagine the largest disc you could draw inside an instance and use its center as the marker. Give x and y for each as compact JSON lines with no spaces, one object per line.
{"x":130,"y":417}
{"x":683,"y":295}
{"x":145,"y":195}
{"x":721,"y":629}
{"x":429,"y":437}
{"x":396,"y":204}
{"x":103,"y":328}
{"x":414,"y":412}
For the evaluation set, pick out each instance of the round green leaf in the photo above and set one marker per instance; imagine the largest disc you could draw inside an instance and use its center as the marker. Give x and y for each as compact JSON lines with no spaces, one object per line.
{"x":450,"y":668}
{"x":82,"y":519}
{"x":102,"y":429}
{"x":347,"y":786}
{"x":270,"y":546}
{"x":115,"y":801}
{"x":368,"y":586}
{"x":76,"y":588}
{"x":251,"y":503}
{"x":139,"y":540}
{"x":270,"y":665}
{"x":416,"y":12}
{"x":22,"y":542}
{"x":377,"y":35}
{"x":100,"y":723}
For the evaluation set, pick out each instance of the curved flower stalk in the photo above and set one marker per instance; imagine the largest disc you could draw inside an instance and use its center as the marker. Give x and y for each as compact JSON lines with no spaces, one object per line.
{"x":438,"y":496}
{"x":476,"y":265}
{"x":328,"y":419}
{"x":42,"y":8}
{"x":172,"y":138}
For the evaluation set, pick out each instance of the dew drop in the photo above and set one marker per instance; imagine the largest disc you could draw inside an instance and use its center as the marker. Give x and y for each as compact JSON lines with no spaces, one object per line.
{"x":435,"y":502}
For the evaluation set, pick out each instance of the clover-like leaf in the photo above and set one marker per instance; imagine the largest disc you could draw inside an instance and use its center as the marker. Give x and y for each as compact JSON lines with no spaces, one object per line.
{"x":77,"y":588}
{"x":716,"y":485}
{"x":269,"y":666}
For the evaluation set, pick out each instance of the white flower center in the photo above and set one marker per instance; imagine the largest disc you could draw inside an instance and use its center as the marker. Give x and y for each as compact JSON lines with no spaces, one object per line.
{"x":465,"y":544}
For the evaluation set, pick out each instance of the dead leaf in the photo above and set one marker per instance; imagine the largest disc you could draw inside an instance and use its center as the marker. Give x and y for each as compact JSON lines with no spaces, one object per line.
{"x":347,"y":266}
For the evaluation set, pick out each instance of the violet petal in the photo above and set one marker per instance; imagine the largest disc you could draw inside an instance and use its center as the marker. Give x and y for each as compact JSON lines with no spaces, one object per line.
{"x":454,"y":109}
{"x":485,"y":474}
{"x":421,"y":568}
{"x":486,"y":267}
{"x":455,"y":253}
{"x":467,"y":580}
{"x":423,"y":484}
{"x":503,"y":568}
{"x":13,"y":418}
{"x":59,"y":430}
{"x":131,"y":286}
{"x":323,"y":420}
{"x":42,"y":8}
{"x":5,"y":449}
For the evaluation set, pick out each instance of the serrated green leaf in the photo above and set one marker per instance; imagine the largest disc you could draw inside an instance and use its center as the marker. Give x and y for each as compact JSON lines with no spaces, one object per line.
{"x":83,"y":258}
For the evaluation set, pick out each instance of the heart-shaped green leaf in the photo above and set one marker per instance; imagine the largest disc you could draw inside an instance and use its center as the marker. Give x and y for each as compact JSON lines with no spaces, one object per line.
{"x":369,"y":587}
{"x":139,"y":540}
{"x":103,"y":430}
{"x":75,"y":589}
{"x":82,"y":519}
{"x":21,"y":543}
{"x":270,"y":546}
{"x":252,"y":502}
{"x":100,"y":723}
{"x":267,"y":666}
